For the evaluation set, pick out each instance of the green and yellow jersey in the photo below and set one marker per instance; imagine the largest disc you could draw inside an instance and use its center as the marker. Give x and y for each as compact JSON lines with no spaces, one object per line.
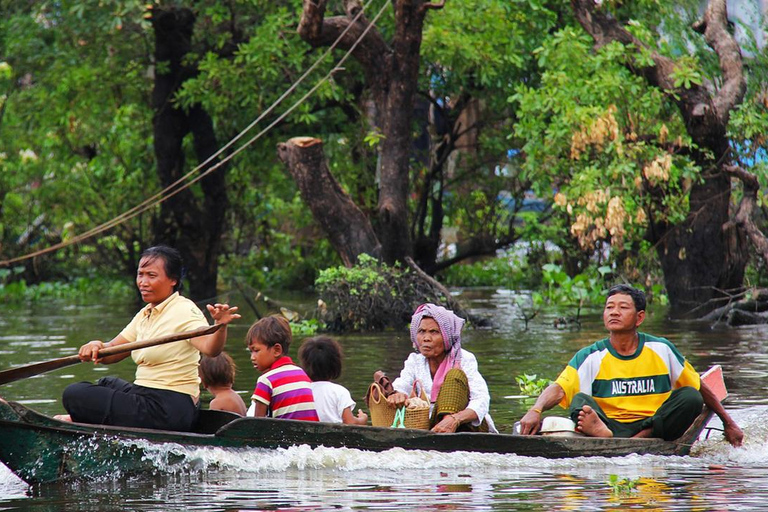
{"x":627,"y":388}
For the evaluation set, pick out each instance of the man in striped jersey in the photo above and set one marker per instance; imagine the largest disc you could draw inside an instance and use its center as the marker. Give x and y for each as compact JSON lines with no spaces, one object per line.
{"x":630,"y":384}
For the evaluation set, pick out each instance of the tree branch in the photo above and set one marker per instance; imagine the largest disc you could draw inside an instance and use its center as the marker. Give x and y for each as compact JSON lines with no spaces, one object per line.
{"x":743,"y":217}
{"x":452,"y":303}
{"x":714,"y":26}
{"x":347,"y":227}
{"x":695,"y":102}
{"x":372,"y":51}
{"x":438,"y":5}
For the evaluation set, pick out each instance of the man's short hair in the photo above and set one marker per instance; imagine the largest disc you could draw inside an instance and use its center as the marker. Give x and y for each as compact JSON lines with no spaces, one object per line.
{"x":638,"y":296}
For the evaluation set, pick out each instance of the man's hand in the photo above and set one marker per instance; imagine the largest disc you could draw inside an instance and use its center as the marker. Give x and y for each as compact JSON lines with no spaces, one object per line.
{"x":551,"y":396}
{"x":731,"y":430}
{"x":530,"y":423}
{"x":733,"y":434}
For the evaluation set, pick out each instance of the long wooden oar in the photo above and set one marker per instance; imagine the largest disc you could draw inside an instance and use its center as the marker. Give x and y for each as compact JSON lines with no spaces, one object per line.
{"x":30,"y":370}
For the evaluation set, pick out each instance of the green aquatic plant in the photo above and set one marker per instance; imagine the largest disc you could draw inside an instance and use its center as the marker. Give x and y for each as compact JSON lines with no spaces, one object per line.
{"x":308,"y":327}
{"x":622,"y":485}
{"x":529,"y":307}
{"x":531,"y":385}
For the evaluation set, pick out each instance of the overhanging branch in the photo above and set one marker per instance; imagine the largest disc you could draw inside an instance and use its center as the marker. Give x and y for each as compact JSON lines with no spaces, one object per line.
{"x":743,"y":216}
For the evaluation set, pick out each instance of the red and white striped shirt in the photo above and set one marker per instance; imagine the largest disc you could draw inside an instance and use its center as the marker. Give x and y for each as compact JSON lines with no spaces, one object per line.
{"x":285,"y":388}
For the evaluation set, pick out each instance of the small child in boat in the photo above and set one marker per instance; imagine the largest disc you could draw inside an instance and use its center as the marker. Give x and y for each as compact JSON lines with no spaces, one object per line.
{"x":218,"y":376}
{"x":283,"y":390}
{"x":321,"y":358}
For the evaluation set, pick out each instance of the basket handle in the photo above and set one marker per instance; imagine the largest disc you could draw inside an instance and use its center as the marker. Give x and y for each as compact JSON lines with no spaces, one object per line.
{"x":375,"y":392}
{"x":399,"y":421}
{"x":418,"y":391}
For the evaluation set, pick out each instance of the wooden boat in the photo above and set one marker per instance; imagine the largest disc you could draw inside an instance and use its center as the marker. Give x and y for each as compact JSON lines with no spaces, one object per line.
{"x":41,"y":449}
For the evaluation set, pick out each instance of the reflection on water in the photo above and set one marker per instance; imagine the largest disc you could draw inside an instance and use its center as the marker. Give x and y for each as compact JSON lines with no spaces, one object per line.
{"x":300,"y":478}
{"x":716,"y":477}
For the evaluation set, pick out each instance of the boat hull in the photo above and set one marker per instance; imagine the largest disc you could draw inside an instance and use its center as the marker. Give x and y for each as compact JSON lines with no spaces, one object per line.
{"x":40,"y":449}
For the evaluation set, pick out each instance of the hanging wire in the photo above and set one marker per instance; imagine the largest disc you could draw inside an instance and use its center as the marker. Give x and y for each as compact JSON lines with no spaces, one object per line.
{"x":168,"y":192}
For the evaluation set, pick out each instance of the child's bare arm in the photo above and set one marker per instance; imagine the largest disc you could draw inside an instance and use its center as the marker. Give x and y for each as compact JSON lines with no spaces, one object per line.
{"x":350,"y":419}
{"x":260,"y":411}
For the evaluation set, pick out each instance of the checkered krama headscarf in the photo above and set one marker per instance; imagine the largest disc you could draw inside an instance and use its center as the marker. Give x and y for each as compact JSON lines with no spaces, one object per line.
{"x":450,"y":328}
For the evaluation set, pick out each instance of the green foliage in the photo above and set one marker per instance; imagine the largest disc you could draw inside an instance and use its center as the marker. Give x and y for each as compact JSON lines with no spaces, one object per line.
{"x":531,"y":385}
{"x":283,"y":262}
{"x":472,"y":51}
{"x":487,"y":272}
{"x":685,"y":75}
{"x":361,"y":279}
{"x":586,"y":129}
{"x":657,"y":294}
{"x":587,"y":288}
{"x":307,"y":327}
{"x":81,"y":288}
{"x":371,"y":295}
{"x":612,"y":149}
{"x":77,"y":146}
{"x":76,"y":125}
{"x":373,"y":138}
{"x":620,"y":486}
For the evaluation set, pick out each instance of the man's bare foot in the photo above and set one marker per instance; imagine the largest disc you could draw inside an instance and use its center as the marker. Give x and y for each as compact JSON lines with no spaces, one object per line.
{"x":63,"y":417}
{"x":590,"y":423}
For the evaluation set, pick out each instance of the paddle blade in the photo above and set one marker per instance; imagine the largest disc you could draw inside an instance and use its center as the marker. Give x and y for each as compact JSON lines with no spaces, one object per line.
{"x":714,"y":379}
{"x":30,"y":370}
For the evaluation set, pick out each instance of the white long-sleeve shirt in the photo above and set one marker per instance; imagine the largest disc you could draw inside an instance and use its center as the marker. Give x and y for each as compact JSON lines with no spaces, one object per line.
{"x":417,"y":368}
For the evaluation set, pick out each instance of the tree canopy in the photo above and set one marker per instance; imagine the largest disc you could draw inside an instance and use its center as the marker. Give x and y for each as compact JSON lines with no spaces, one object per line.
{"x":455,"y":130}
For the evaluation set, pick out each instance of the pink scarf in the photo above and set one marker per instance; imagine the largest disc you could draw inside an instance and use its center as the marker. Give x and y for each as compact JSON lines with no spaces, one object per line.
{"x":450,"y":328}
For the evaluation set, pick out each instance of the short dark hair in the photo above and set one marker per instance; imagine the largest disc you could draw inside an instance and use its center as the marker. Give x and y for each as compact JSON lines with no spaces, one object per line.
{"x":172,"y":262}
{"x":321,"y":358}
{"x":218,"y":371}
{"x":270,"y":331}
{"x":638,"y":296}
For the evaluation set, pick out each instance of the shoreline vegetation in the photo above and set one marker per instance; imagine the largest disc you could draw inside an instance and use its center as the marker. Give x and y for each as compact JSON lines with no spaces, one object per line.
{"x":373,"y":296}
{"x":369,"y":296}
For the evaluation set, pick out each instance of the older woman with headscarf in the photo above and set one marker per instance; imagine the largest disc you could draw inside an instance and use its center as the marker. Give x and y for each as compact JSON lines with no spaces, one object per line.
{"x":458,"y":393}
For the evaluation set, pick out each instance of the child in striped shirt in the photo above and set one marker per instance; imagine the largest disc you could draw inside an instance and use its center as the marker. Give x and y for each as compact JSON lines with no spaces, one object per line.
{"x":283,"y":390}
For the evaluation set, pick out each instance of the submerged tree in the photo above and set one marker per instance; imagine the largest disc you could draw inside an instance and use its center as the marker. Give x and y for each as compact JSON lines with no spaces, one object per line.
{"x":194,"y":225}
{"x":636,"y":141}
{"x":454,"y":100}
{"x":704,"y":255}
{"x":391,"y":73}
{"x":90,"y":89}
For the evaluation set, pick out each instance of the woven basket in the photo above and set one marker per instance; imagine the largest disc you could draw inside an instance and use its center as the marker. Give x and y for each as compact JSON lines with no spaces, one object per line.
{"x":382,"y":415}
{"x":417,"y":417}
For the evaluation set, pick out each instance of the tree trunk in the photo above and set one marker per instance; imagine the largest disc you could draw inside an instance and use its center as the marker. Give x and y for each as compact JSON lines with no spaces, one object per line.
{"x":347,"y":227}
{"x":704,"y":256}
{"x":193,"y":226}
{"x":391,"y":71}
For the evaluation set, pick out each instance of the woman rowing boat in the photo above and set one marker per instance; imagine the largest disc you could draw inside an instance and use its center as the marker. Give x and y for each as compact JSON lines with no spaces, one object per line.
{"x":165,"y":394}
